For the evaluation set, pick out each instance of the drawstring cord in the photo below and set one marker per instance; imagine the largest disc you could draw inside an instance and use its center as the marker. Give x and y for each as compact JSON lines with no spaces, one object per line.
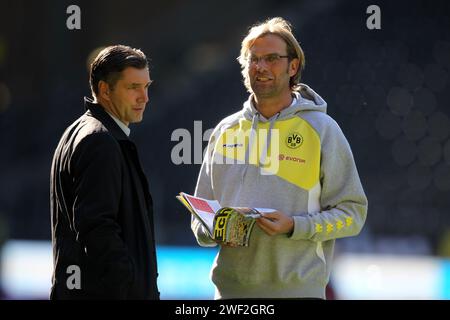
{"x":269,"y":136}
{"x":254,"y":127}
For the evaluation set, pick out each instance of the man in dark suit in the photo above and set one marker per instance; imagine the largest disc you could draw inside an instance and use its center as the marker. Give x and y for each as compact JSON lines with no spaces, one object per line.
{"x":101,"y":208}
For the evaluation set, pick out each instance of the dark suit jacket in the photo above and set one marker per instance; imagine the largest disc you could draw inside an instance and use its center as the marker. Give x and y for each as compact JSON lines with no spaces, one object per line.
{"x":101,"y":212}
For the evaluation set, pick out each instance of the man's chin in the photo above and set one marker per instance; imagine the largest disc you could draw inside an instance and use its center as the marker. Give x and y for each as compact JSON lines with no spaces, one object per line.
{"x":137,"y":120}
{"x":263,"y":90}
{"x":264,"y":94}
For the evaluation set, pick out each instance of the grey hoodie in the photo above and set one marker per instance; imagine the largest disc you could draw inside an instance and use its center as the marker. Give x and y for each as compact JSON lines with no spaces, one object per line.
{"x":300,"y":163}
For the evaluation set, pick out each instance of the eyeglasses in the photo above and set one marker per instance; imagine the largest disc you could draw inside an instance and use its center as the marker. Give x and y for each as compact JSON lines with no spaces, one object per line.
{"x":269,"y":59}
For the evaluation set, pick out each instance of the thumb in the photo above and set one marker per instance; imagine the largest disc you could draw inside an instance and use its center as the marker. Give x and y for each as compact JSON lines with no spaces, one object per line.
{"x":270,"y":215}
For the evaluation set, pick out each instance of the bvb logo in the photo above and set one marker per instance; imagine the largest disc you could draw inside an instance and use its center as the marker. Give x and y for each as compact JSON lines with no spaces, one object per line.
{"x":294,"y":140}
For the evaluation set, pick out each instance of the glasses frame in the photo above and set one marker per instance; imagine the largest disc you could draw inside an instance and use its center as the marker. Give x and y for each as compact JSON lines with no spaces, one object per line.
{"x":253,"y":60}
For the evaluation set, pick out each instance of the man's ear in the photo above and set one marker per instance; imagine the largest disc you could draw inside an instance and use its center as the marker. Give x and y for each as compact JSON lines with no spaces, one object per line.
{"x":293,"y":66}
{"x":103,"y":90}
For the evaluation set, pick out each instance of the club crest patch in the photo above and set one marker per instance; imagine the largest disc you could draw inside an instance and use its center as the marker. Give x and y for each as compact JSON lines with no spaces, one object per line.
{"x":294,"y":140}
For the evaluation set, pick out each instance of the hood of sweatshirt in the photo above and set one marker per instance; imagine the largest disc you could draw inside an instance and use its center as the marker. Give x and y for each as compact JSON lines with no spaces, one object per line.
{"x":306,"y":99}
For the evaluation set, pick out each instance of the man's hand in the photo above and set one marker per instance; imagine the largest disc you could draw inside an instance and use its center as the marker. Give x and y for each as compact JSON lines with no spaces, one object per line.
{"x":276,"y":222}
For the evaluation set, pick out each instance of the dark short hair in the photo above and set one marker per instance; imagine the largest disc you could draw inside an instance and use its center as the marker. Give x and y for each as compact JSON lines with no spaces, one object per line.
{"x":111,"y":61}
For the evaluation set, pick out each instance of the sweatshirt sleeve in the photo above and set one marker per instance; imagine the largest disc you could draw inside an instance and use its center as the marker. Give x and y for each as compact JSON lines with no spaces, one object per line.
{"x":342,"y":200}
{"x":204,"y":190}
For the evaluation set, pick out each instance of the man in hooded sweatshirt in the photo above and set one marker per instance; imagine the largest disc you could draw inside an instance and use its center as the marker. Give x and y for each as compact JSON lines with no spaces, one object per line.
{"x":281,"y":151}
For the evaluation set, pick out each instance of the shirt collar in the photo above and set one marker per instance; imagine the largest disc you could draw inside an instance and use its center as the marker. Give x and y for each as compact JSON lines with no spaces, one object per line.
{"x":99,"y":112}
{"x":122,"y":125}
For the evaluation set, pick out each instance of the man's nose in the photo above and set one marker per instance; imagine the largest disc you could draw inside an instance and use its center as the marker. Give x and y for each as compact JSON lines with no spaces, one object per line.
{"x":261,"y":64}
{"x":143,"y":97}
